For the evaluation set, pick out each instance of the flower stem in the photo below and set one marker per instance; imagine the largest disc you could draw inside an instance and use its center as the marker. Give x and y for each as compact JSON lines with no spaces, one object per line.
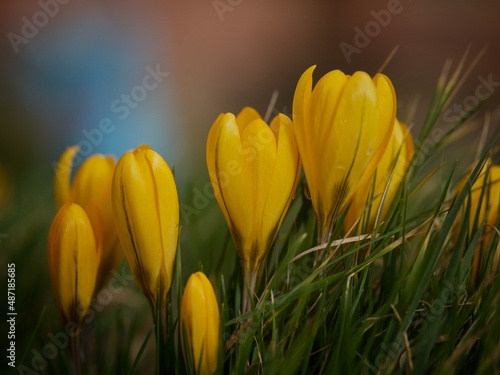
{"x":75,"y":353}
{"x":249,"y":289}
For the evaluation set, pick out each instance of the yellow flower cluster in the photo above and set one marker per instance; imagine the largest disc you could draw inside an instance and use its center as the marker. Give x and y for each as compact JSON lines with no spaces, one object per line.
{"x":83,"y":245}
{"x":343,"y":129}
{"x":135,"y":201}
{"x":344,"y":134}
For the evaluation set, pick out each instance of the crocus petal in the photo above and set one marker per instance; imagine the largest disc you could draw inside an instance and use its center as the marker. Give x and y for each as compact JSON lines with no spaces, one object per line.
{"x":62,"y":176}
{"x":305,"y":146}
{"x":484,"y":209}
{"x":342,"y":129}
{"x":245,"y":117}
{"x":284,"y":178}
{"x":391,"y":169}
{"x":73,"y":261}
{"x":91,"y":189}
{"x":233,"y":178}
{"x":200,"y":322}
{"x":258,"y":137}
{"x":146,"y":210}
{"x":386,"y":98}
{"x":254,"y":170}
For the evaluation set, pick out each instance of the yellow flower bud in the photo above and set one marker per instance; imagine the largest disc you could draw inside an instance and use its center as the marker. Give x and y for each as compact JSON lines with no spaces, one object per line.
{"x":342,"y":127}
{"x":73,"y":261}
{"x":485,"y":206}
{"x":91,"y":189}
{"x":254,"y":170}
{"x":146,"y":210}
{"x":200,"y":324}
{"x":390,"y":170}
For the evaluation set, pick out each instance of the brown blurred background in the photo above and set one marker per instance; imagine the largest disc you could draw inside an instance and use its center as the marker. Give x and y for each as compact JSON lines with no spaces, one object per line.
{"x":223,"y":55}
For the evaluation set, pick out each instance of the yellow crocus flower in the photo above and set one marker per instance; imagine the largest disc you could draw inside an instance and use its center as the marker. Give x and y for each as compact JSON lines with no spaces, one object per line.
{"x":390,"y":170}
{"x":254,"y":170}
{"x":91,"y":189}
{"x":73,"y":261}
{"x":146,"y":211}
{"x":342,"y":127}
{"x":485,"y":207}
{"x":200,"y":324}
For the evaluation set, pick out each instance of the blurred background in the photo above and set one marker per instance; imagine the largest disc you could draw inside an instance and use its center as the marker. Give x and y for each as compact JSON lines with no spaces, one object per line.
{"x":111,"y":75}
{"x":69,"y":65}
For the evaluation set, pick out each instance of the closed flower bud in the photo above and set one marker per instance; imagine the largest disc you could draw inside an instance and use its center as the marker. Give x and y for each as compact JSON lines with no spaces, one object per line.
{"x":146,"y":211}
{"x":366,"y":201}
{"x":484,"y":209}
{"x":342,"y":127}
{"x":200,"y":324}
{"x":91,"y":189}
{"x":254,"y":169}
{"x":73,"y":261}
